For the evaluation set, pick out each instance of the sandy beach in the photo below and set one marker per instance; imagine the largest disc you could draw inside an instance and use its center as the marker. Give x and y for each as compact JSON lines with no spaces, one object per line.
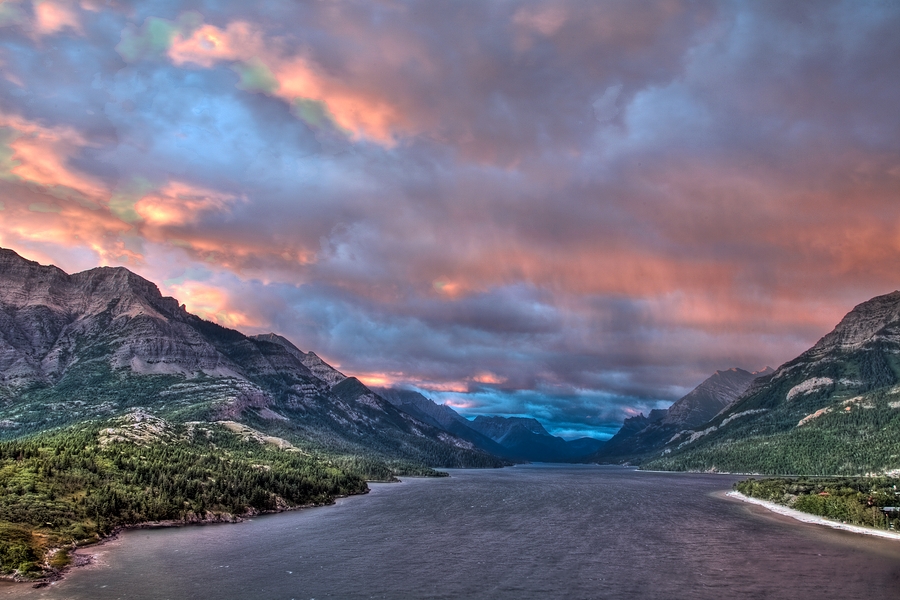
{"x":808,"y":518}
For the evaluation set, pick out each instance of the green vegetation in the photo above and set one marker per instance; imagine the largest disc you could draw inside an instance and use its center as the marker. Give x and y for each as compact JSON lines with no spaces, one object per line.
{"x":854,"y":435}
{"x":378,"y":456}
{"x":91,"y":388}
{"x":77,"y":485}
{"x":857,"y":500}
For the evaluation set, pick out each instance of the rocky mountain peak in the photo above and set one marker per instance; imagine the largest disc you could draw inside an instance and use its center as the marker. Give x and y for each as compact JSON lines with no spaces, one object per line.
{"x":274,"y":338}
{"x":707,"y":399}
{"x":322,"y":369}
{"x":27,"y":283}
{"x":310,"y":360}
{"x":861,"y":324}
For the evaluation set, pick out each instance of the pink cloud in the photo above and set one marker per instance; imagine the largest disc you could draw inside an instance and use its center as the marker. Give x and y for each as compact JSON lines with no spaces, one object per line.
{"x":53,"y":16}
{"x":41,"y":156}
{"x":208,"y":45}
{"x":361,"y":113}
{"x":179,"y":203}
{"x":211,"y":303}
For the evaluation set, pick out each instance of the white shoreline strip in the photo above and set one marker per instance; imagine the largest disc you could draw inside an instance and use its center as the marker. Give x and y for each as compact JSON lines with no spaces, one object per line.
{"x":808,"y":518}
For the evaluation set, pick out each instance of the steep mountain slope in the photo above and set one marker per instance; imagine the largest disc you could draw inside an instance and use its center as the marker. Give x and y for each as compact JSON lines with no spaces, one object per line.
{"x":644,"y":437}
{"x":835,"y":409}
{"x":310,"y":360}
{"x":96,"y":343}
{"x":710,"y":397}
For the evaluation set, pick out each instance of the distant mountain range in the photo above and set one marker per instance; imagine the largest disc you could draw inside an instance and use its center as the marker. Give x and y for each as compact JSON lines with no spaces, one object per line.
{"x":515,"y":438}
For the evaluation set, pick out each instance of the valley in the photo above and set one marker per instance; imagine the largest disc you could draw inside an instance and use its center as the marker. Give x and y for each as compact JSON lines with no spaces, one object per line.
{"x":119,"y":408}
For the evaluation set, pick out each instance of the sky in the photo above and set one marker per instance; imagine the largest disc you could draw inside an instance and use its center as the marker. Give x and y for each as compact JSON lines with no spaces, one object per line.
{"x":575,"y":211}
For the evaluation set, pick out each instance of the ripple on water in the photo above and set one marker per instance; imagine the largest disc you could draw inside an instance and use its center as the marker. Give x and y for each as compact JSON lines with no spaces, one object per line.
{"x":536,"y":531}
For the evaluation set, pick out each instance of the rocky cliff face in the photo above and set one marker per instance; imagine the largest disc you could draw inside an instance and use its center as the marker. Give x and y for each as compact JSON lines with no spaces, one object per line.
{"x":49,"y":320}
{"x":99,"y":342}
{"x":870,"y":322}
{"x":317,"y":367}
{"x":421,"y":407}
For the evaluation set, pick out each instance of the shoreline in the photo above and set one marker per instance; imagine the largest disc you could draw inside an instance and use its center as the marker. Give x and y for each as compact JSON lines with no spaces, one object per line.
{"x":813,"y":519}
{"x":82,"y":556}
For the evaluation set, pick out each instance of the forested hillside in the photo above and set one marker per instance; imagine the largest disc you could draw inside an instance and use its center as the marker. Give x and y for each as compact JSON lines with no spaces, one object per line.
{"x":834,"y":410}
{"x":79,"y":484}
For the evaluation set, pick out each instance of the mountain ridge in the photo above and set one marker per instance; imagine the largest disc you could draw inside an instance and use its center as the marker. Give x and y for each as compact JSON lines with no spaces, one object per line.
{"x":832,"y":410}
{"x":515,"y":438}
{"x":96,"y":343}
{"x":641,"y":436}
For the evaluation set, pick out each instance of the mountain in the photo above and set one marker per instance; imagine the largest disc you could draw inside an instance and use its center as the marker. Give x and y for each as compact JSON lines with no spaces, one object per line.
{"x":98,"y":343}
{"x":641,"y":435}
{"x":527,"y":439}
{"x":627,"y":442}
{"x":513,"y":438}
{"x":443,"y":417}
{"x":310,"y":360}
{"x":710,"y":397}
{"x":833,"y":410}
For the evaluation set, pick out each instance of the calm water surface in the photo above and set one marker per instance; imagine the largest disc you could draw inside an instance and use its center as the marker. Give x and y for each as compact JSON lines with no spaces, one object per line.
{"x":536,"y":531}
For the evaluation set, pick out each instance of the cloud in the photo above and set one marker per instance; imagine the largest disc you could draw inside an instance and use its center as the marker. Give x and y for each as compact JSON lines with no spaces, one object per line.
{"x":314,"y":97}
{"x":210,"y":303}
{"x":179,"y":204}
{"x":41,"y":156}
{"x":564,"y":209}
{"x":52,"y":17}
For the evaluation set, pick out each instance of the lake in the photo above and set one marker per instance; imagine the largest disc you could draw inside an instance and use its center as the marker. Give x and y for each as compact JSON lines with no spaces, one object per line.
{"x":534,"y":531}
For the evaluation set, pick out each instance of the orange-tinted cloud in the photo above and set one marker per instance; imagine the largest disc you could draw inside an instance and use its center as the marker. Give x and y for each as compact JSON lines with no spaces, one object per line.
{"x":29,"y":217}
{"x":178,"y":203}
{"x":208,"y":45}
{"x":488,"y":377}
{"x":297,"y":80}
{"x":52,"y":16}
{"x":41,"y":155}
{"x":211,"y":303}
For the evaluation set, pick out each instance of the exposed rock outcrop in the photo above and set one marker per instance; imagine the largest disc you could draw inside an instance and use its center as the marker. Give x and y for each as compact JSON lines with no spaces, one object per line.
{"x":103,"y":341}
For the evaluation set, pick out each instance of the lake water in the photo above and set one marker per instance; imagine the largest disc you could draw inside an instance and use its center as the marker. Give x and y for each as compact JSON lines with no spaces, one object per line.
{"x":536,"y":531}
